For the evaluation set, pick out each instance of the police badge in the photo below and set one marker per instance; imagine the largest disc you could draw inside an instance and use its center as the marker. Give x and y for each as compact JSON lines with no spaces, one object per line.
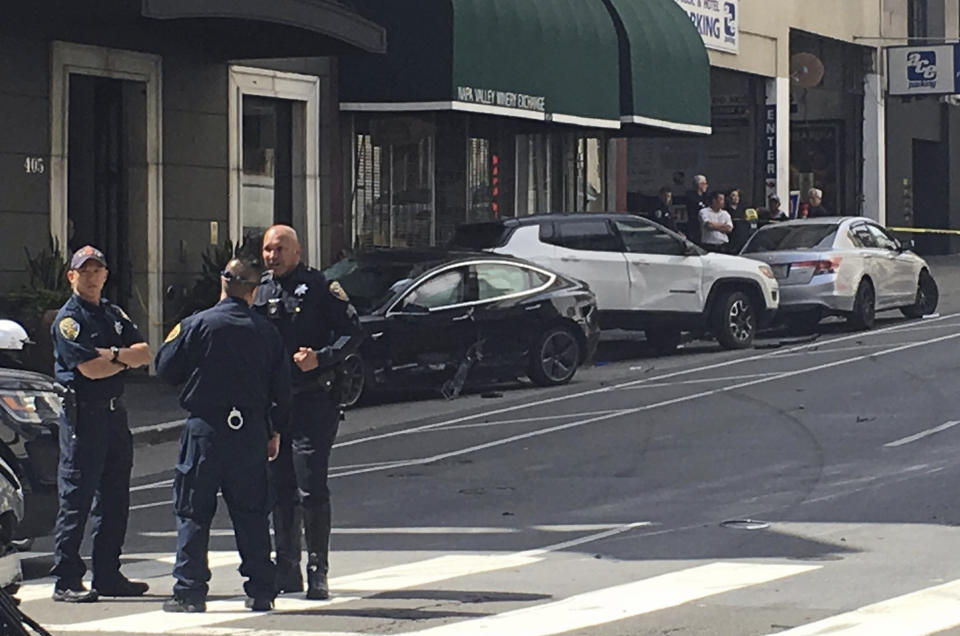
{"x":337,"y":291}
{"x":69,"y":328}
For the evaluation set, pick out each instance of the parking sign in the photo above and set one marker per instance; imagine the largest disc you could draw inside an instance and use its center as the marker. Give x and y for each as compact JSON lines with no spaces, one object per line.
{"x":923,"y":70}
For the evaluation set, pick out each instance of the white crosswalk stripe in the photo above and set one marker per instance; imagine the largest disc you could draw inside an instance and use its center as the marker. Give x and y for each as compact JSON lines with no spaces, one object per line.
{"x":927,"y":611}
{"x":922,"y":613}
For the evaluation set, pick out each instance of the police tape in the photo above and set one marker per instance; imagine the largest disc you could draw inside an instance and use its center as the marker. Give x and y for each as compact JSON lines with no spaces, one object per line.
{"x":921,"y":230}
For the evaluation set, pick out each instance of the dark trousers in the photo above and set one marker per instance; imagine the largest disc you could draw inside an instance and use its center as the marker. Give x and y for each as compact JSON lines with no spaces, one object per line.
{"x":299,"y":476}
{"x":96,"y":457}
{"x":214,"y":458}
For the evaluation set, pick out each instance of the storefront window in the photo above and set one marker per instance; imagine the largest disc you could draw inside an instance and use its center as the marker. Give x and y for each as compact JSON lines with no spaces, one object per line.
{"x":560,"y":172}
{"x":394,"y":192}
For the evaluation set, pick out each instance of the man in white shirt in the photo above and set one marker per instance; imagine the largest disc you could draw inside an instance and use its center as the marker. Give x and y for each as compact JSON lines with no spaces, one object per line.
{"x":715,"y":225}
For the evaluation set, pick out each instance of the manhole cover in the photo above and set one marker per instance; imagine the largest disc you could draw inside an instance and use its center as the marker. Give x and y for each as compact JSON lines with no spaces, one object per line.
{"x":745,"y":524}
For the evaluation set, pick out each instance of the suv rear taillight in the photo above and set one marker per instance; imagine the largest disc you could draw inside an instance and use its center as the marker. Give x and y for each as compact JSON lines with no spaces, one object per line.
{"x":823,"y":266}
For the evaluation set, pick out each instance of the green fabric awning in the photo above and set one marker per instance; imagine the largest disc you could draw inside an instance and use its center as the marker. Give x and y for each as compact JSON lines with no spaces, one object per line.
{"x":548,"y":60}
{"x":664,"y":67}
{"x":596,"y":63}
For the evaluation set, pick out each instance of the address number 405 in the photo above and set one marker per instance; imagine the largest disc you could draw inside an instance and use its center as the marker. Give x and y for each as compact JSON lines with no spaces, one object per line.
{"x":34,"y":165}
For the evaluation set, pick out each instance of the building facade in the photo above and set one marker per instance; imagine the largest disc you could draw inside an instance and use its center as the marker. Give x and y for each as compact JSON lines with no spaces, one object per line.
{"x":159,"y":129}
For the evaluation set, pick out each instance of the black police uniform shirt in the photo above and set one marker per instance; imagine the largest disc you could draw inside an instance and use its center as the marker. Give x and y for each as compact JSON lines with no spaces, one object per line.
{"x":310,"y":312}
{"x":79,"y":329}
{"x":227,"y":356}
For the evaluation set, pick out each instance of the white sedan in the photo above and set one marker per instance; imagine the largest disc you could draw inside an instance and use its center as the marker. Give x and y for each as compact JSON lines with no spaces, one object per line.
{"x":847,"y":266}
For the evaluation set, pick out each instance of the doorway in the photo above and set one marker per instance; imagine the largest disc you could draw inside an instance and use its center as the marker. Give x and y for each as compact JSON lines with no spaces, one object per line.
{"x":930,"y":194}
{"x":267,"y":178}
{"x":104,"y":180}
{"x":105,"y":163}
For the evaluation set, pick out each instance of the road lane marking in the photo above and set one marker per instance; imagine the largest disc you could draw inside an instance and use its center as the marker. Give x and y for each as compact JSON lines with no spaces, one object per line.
{"x":571,"y":396}
{"x":646,"y":407}
{"x":728,"y":378}
{"x":166,"y":483}
{"x":839,"y":349}
{"x":429,"y":530}
{"x":521,"y":420}
{"x":928,"y":611}
{"x":922,"y":434}
{"x":622,"y":601}
{"x":417,"y":573}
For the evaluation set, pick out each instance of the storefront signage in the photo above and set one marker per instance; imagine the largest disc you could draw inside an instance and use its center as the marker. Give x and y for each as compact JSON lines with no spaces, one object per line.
{"x":504,"y":99}
{"x":924,"y":70}
{"x":770,"y":148}
{"x":716,"y":21}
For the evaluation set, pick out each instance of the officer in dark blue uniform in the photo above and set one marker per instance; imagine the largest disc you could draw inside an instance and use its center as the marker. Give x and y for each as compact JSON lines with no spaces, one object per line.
{"x":319,"y":328}
{"x":94,"y":343}
{"x":235,"y":369}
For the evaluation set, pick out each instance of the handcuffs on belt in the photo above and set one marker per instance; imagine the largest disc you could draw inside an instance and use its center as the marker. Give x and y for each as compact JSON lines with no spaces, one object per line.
{"x":235,"y":419}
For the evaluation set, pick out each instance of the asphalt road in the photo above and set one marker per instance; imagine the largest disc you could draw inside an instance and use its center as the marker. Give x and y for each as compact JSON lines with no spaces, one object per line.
{"x":601,"y":507}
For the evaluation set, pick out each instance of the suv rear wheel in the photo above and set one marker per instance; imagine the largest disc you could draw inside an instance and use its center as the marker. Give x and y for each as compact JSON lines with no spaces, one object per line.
{"x":734,"y":320}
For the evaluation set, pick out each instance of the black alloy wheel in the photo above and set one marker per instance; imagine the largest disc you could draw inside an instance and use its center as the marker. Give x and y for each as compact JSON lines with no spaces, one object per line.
{"x":735,"y":321}
{"x":353,"y":380}
{"x":555,"y":357}
{"x":864,"y":313}
{"x":927,"y":299}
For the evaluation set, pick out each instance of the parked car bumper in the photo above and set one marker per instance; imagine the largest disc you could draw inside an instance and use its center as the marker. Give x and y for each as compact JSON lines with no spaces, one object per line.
{"x":821,"y":295}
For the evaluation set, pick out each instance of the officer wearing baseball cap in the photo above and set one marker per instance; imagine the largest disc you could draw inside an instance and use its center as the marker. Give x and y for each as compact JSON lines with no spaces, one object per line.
{"x":94,"y":342}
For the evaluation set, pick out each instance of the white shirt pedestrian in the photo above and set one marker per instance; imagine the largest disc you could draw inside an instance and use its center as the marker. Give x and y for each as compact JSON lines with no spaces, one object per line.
{"x":714,"y":237}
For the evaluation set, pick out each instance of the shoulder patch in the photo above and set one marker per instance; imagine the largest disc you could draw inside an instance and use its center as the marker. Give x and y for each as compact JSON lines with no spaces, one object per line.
{"x":69,"y":328}
{"x":337,"y":292}
{"x":173,"y":333}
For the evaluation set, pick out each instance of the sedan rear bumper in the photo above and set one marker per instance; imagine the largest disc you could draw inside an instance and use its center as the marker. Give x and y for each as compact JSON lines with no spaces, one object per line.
{"x":817,"y":294}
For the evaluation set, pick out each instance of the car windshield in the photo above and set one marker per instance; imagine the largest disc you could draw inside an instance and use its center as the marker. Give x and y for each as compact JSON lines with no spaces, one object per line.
{"x":370,"y":280}
{"x":479,"y":236}
{"x":792,"y":237}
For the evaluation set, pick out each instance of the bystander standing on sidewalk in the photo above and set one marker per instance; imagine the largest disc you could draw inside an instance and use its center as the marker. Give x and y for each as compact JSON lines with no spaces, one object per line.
{"x":715,"y":224}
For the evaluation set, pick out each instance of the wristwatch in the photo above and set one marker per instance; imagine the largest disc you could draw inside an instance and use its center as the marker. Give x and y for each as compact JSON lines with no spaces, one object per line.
{"x":116,"y":354}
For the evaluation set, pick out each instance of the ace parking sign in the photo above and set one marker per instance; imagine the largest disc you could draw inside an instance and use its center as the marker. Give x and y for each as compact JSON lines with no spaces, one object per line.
{"x":923,"y":70}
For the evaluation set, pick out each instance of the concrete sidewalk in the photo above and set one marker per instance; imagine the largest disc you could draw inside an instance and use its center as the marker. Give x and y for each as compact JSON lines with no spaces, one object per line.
{"x":155,"y":414}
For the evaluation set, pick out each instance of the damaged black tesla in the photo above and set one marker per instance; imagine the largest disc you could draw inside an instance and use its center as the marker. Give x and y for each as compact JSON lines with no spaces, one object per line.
{"x":448,"y":319}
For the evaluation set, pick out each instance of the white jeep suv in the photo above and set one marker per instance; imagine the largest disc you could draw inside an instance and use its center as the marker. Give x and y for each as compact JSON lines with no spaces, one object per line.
{"x":645,"y":276}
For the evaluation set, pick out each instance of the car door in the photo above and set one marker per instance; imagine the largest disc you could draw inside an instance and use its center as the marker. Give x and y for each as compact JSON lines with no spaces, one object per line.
{"x":663,"y":276}
{"x":889,"y":288}
{"x":510,"y":312}
{"x":589,"y":250}
{"x":904,"y":270}
{"x":431,"y":327}
{"x":875,"y":263}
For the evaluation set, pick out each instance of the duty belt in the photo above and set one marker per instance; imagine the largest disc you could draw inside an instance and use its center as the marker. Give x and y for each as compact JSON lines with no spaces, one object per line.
{"x":109,"y":404}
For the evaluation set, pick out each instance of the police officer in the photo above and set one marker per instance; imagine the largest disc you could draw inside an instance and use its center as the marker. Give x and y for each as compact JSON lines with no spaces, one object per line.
{"x":94,"y":343}
{"x":235,"y":369}
{"x":319,"y":328}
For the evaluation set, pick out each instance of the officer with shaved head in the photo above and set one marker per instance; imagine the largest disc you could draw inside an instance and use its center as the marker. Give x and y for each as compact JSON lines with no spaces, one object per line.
{"x":320,"y":328}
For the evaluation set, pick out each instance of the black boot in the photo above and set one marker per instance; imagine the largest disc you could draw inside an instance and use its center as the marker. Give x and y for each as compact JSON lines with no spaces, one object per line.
{"x":287,"y":523}
{"x":317,"y":526}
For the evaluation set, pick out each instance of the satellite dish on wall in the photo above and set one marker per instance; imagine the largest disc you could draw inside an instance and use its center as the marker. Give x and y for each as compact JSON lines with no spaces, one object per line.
{"x":806,"y":70}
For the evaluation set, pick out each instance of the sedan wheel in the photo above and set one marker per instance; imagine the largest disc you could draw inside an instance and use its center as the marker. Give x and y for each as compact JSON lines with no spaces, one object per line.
{"x":555,"y":357}
{"x":928,"y":296}
{"x":735,"y":322}
{"x":353,"y":380}
{"x":864,"y":307}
